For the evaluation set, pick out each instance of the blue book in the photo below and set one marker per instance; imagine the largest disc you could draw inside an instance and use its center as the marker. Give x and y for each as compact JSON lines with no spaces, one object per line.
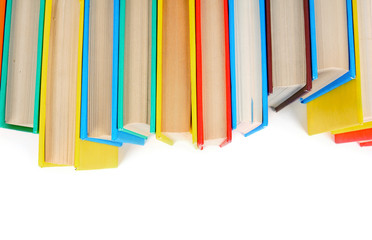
{"x":333,"y":50}
{"x":249,"y":92}
{"x":100,"y":67}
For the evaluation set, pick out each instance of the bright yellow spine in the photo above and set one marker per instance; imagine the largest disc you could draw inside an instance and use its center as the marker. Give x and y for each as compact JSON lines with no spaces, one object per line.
{"x":194,"y":128}
{"x":159,"y":82}
{"x":342,"y":107}
{"x":44,"y":68}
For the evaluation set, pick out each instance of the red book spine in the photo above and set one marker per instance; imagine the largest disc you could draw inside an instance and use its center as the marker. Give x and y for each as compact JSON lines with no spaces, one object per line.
{"x":199,"y":75}
{"x":228,"y":80}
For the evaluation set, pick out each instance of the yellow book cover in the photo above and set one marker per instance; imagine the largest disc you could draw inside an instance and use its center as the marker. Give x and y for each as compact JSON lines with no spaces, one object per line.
{"x":163,"y":52}
{"x":342,"y":107}
{"x":365,"y":124}
{"x":83,"y":155}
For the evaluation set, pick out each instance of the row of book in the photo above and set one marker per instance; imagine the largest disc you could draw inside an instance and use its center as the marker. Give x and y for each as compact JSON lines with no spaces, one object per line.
{"x":91,"y":75}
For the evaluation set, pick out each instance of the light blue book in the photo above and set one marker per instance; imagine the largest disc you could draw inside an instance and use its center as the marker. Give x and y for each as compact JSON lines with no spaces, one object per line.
{"x":100,"y":67}
{"x":333,"y":51}
{"x":248,"y":59}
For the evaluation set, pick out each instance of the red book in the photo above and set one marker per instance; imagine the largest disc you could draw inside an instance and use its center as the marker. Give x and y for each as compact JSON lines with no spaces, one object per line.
{"x":213,"y":72}
{"x":355,"y":136}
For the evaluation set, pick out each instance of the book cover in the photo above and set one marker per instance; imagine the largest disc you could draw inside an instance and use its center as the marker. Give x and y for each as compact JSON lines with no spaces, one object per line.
{"x":5,"y":34}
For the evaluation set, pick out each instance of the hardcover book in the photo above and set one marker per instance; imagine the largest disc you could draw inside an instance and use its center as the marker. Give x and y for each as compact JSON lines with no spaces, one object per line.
{"x":21,"y":66}
{"x":213,"y":73}
{"x":248,"y":61}
{"x":134,"y":100}
{"x":60,"y":101}
{"x":341,"y":108}
{"x":332,"y":22}
{"x":176,"y":71}
{"x":362,"y":131}
{"x":289,"y":51}
{"x":100,"y":68}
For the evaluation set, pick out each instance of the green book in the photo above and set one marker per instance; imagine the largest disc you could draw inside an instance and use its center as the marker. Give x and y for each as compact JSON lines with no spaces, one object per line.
{"x":137,"y":67}
{"x":21,"y":66}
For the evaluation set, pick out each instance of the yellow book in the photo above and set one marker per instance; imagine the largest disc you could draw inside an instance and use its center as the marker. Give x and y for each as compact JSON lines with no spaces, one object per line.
{"x":342,"y":107}
{"x":60,"y":143}
{"x":194,"y":125}
{"x":362,"y":27}
{"x":176,"y":71}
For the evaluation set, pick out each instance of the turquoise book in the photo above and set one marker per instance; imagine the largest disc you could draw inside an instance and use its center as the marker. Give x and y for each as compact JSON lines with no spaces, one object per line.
{"x":21,"y":65}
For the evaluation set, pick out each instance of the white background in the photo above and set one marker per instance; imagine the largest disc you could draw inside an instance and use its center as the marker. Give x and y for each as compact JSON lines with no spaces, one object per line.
{"x":278,"y":184}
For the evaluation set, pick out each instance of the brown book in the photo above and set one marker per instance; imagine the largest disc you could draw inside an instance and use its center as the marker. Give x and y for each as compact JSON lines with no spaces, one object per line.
{"x":288,"y":51}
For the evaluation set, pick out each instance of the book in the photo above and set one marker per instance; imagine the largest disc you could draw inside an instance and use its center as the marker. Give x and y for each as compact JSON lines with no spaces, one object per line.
{"x":342,"y":107}
{"x":176,"y":71}
{"x":213,"y":73}
{"x":60,"y":95}
{"x":248,"y":65}
{"x":100,"y":68}
{"x":21,"y":66}
{"x":335,"y":52}
{"x":289,"y":51}
{"x":135,"y":101}
{"x":358,"y":132}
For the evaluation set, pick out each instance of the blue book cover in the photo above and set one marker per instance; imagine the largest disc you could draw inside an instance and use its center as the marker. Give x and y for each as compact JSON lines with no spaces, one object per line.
{"x":124,"y":137}
{"x":233,"y":61}
{"x":350,"y":74}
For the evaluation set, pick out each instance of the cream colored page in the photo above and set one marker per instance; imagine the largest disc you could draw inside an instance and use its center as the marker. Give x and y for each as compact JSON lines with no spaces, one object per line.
{"x":23,"y":44}
{"x":288,"y":43}
{"x":248,"y":61}
{"x":365,"y":50}
{"x":176,"y":103}
{"x":61,"y":83}
{"x":331,"y":34}
{"x":100,"y":69}
{"x":137,"y":73}
{"x":213,"y":69}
